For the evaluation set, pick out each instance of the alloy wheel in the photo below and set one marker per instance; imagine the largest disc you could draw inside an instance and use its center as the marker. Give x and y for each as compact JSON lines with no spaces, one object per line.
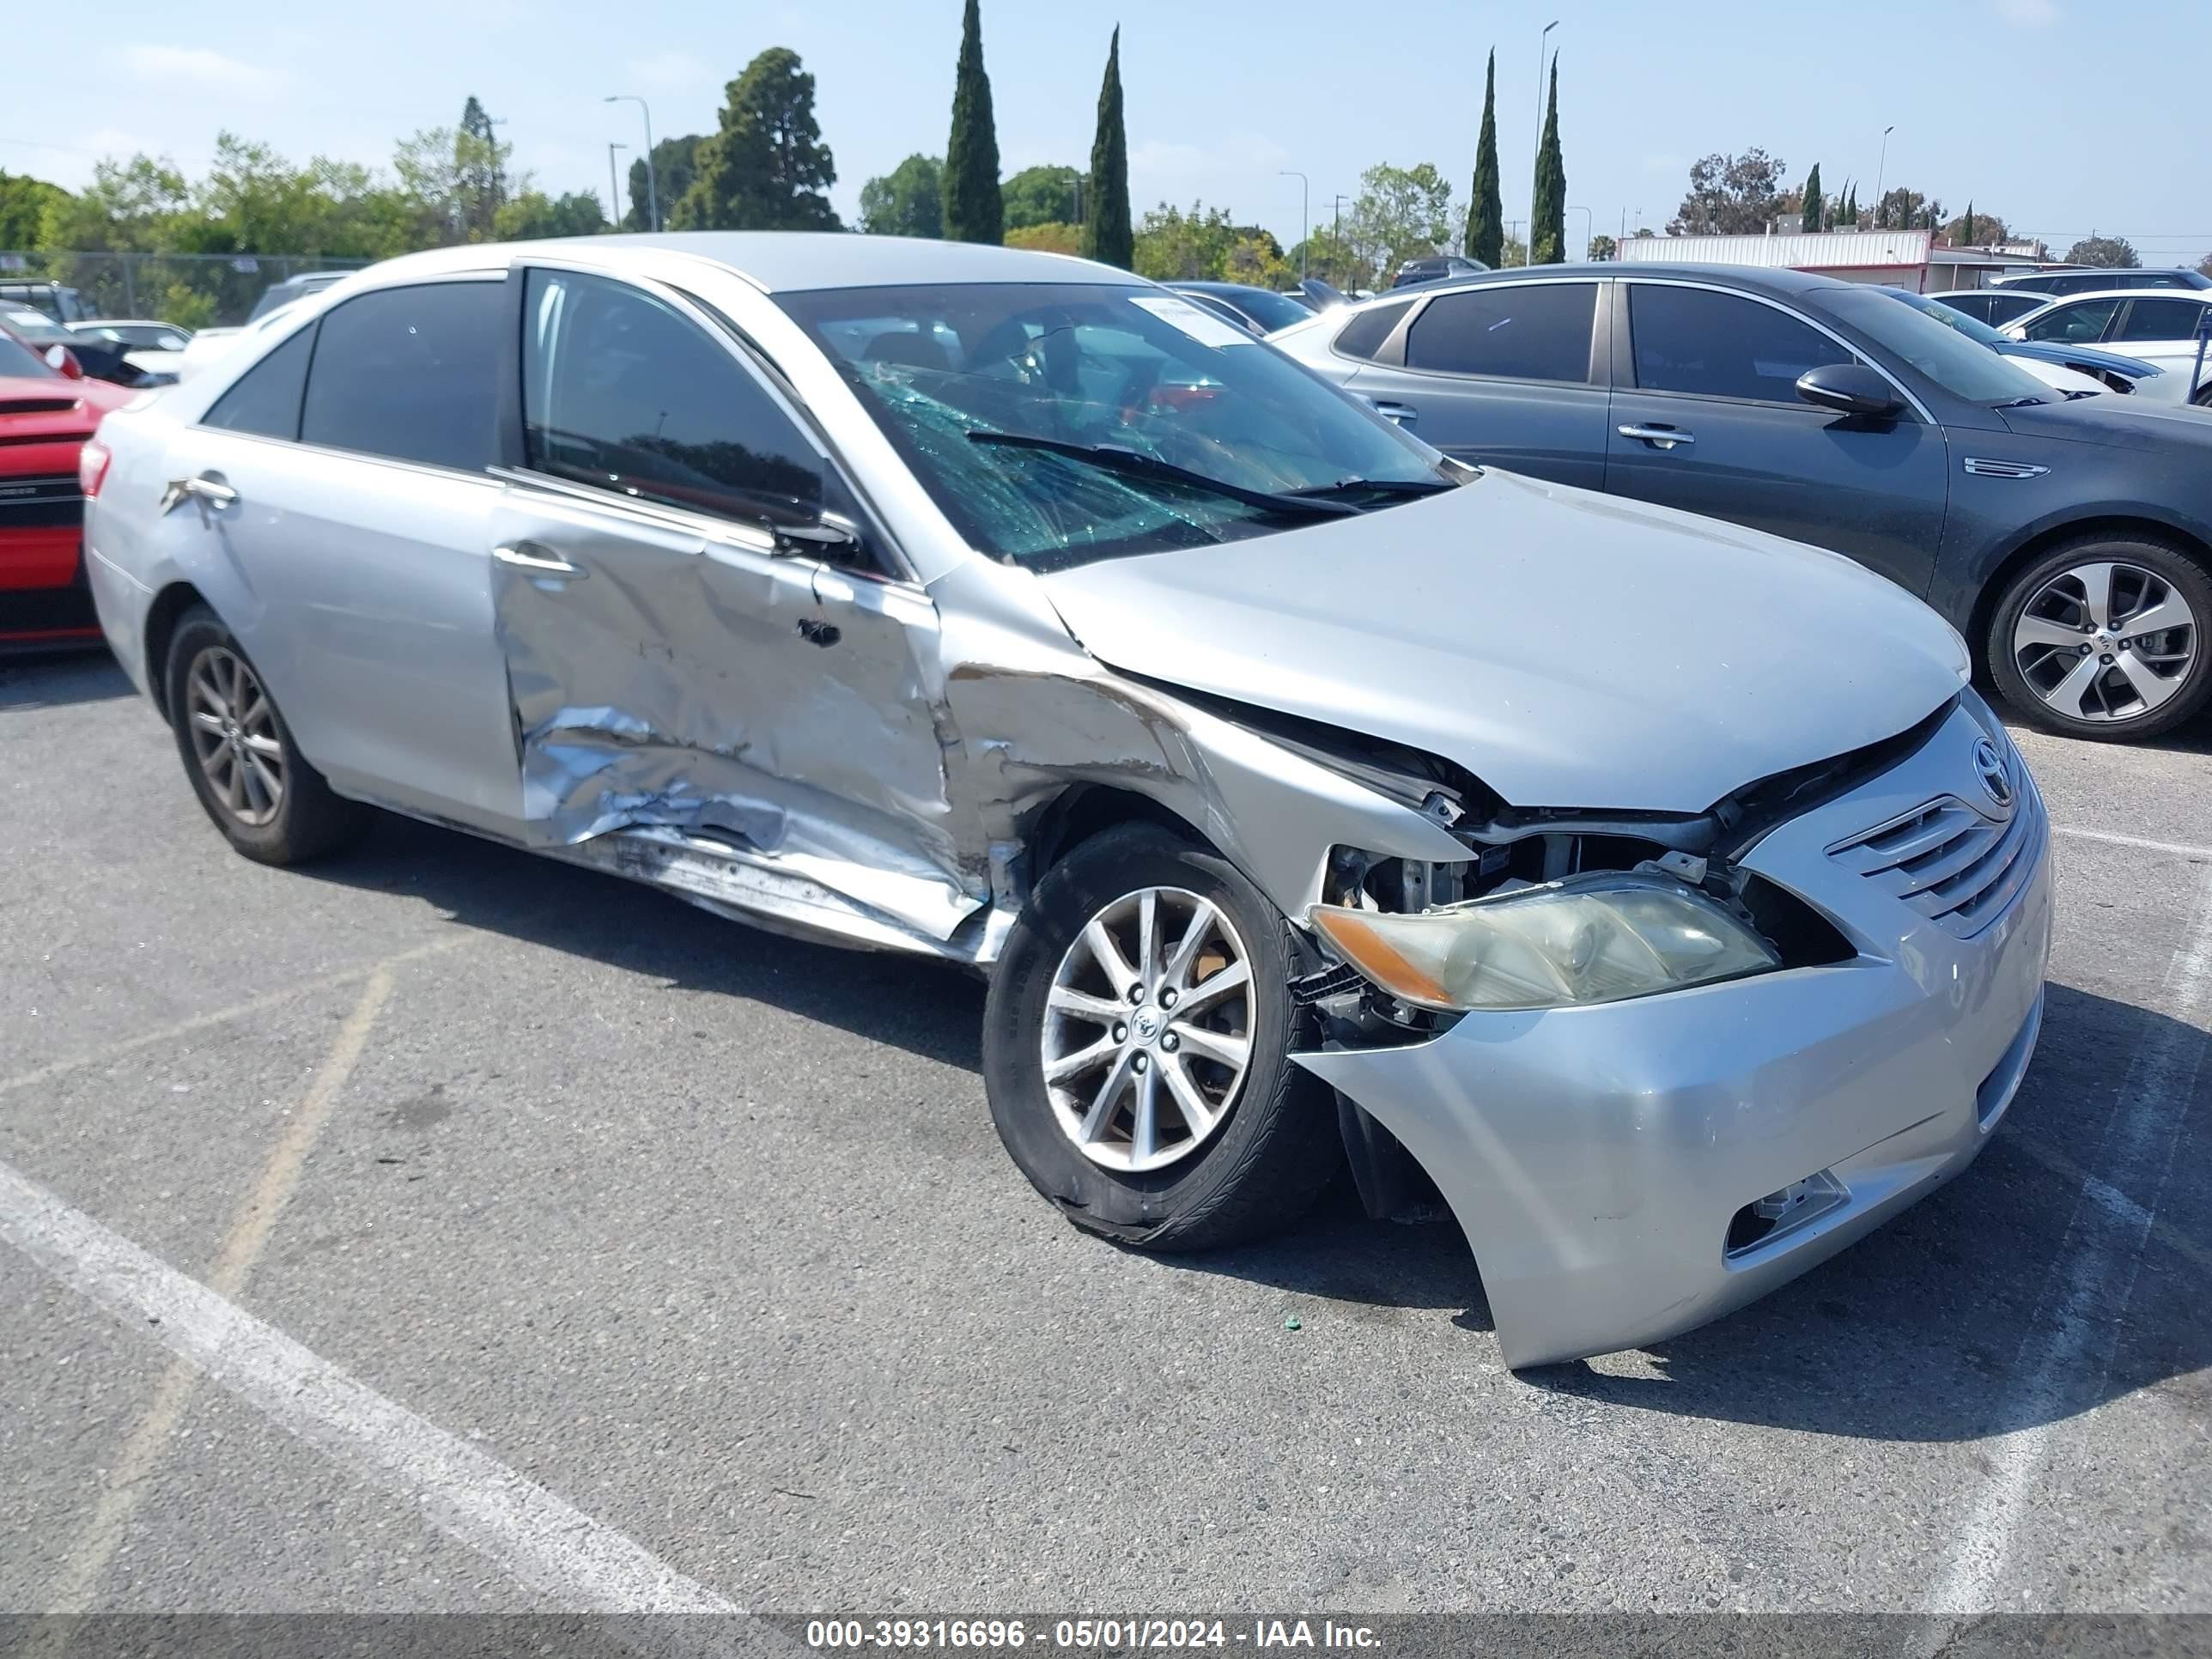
{"x":233,"y":730}
{"x":1148,"y":1029}
{"x":2106,"y":642}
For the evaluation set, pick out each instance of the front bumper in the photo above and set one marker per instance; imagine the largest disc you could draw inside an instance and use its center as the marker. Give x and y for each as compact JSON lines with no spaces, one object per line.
{"x":1597,"y":1157}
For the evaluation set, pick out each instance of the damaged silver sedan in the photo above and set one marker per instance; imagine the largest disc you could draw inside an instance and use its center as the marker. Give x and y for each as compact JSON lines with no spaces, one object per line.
{"x":1656,"y":892}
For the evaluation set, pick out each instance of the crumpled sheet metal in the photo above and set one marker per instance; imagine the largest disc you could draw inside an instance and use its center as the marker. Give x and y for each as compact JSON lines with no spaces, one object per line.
{"x":679,"y":692}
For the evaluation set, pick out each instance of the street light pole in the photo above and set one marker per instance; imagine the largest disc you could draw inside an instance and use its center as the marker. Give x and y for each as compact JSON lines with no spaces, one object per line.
{"x":1305,"y":218}
{"x":1882,"y":171}
{"x":652,"y":184}
{"x":614,"y":197}
{"x":1528,"y":251}
{"x":1589,"y":229}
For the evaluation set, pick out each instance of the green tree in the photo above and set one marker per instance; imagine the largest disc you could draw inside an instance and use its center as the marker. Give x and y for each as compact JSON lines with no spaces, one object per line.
{"x":908,"y":201}
{"x":1547,"y":230}
{"x":1731,"y":195}
{"x":1047,"y":239}
{"x":675,"y":164}
{"x":1108,"y":236}
{"x":2109,"y":252}
{"x":449,"y":170}
{"x":23,"y":204}
{"x":1904,"y":209}
{"x":484,"y":182}
{"x":765,"y":168}
{"x":1401,"y":213}
{"x":1809,"y":214}
{"x":534,"y":215}
{"x":1042,"y":196}
{"x":1603,"y":247}
{"x":974,"y":210}
{"x":1204,"y":245}
{"x":1486,"y":220}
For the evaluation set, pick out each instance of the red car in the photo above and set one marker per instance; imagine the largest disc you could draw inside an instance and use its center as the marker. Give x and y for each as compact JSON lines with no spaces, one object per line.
{"x":46,"y":415}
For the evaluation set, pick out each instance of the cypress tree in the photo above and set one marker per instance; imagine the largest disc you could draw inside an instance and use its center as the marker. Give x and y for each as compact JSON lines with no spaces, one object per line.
{"x":1548,"y":228}
{"x":1107,"y":235}
{"x":1485,"y":219}
{"x":974,"y":210}
{"x":1810,"y":219}
{"x":1967,"y":240}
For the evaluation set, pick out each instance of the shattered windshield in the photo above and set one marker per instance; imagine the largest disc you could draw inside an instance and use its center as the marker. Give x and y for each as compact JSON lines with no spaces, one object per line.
{"x":1129,"y":371}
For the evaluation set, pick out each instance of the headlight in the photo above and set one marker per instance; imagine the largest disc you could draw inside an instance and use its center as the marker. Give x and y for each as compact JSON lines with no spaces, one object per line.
{"x":1589,"y":938}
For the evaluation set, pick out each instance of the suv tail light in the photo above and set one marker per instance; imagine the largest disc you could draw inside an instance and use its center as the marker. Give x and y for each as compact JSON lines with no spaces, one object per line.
{"x":92,"y":467}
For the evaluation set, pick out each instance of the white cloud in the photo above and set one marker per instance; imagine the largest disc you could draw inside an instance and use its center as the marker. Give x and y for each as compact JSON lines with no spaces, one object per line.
{"x":667,"y":71}
{"x":201,"y":70}
{"x":2029,"y":14}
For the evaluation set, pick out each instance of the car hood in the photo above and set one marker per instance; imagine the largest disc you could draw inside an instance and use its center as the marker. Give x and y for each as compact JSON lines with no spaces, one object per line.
{"x":2131,"y":423}
{"x":1571,"y":649}
{"x":2133,"y":367}
{"x":37,"y":406}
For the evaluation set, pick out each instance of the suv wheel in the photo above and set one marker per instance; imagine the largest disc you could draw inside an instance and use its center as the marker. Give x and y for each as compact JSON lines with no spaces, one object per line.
{"x":1136,"y":1048}
{"x":249,"y":775}
{"x":2105,"y":638}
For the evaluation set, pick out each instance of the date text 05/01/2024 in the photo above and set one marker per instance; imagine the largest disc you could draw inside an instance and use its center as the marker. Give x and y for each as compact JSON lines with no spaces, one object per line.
{"x":1118,"y":1634}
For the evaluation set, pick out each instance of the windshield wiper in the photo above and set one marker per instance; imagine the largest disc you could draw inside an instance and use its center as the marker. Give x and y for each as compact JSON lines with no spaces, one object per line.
{"x":1135,"y":463}
{"x":1403,"y":487}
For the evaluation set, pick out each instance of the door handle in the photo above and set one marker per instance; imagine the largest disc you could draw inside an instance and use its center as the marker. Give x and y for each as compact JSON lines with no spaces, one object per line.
{"x":537,"y":561}
{"x":1662,"y":437}
{"x":208,"y":488}
{"x":1403,"y":414}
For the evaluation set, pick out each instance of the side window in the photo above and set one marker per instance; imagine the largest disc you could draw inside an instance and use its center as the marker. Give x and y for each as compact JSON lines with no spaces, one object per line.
{"x":2076,"y":324}
{"x":1721,"y":345}
{"x":1521,"y":331}
{"x":621,"y":391}
{"x":265,"y":399}
{"x":409,"y":373}
{"x":1363,"y":335}
{"x":2160,"y":319}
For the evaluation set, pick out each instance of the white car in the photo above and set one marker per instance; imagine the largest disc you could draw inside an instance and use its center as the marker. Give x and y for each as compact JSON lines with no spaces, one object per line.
{"x":148,"y":344}
{"x":2158,"y":325}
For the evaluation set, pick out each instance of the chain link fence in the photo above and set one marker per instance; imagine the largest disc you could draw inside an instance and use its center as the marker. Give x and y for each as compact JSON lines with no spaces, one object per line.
{"x":198,"y":291}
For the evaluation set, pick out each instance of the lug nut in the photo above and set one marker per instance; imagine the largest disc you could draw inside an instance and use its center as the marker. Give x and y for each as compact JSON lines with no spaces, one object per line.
{"x":2085,"y":650}
{"x":1170,"y":1041}
{"x":1136,"y":994}
{"x":1140,"y":1062}
{"x":1121,"y":1034}
{"x":1167,"y":999}
{"x":2105,"y":657}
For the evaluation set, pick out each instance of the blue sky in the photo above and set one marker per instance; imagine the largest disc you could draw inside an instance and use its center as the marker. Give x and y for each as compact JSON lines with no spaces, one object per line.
{"x":2053,"y":112}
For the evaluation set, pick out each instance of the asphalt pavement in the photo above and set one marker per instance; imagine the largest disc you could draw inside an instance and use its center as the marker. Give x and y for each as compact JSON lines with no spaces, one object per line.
{"x":441,"y":1229}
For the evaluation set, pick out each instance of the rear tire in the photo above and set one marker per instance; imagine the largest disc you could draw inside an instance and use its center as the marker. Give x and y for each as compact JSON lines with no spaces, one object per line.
{"x":1202,"y":1178}
{"x":250,"y":776}
{"x":2072,"y":645}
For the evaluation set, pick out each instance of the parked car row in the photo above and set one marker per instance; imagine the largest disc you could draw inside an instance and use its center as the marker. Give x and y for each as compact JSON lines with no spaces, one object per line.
{"x":1310,"y":797}
{"x":2069,"y":540}
{"x":2164,"y":329}
{"x":46,"y":415}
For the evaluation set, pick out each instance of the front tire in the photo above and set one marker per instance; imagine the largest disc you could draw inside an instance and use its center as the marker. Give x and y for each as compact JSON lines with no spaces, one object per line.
{"x":250,"y":776}
{"x":1136,"y":1048}
{"x":2105,"y":638}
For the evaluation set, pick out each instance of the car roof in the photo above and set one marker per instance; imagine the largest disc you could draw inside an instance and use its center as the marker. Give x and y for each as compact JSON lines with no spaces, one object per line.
{"x":1196,"y":287}
{"x":1754,"y":278}
{"x":2202,"y":296}
{"x":789,"y":261}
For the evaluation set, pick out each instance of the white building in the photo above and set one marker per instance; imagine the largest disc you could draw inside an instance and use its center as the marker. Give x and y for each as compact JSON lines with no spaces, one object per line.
{"x":1902,"y":258}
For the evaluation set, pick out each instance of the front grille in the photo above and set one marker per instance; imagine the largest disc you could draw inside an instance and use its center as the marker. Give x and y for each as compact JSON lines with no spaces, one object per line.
{"x":40,"y":503}
{"x":1954,"y":865}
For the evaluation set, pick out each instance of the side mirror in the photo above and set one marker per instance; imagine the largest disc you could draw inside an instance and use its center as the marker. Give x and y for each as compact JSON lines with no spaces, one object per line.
{"x":1849,"y":389}
{"x":831,"y":538}
{"x":63,"y":361}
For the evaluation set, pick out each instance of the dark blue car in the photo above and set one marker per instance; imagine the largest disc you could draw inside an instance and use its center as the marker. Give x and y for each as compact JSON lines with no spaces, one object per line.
{"x":2070,"y":542}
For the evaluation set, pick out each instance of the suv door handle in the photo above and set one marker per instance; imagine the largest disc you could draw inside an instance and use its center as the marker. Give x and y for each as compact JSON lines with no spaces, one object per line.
{"x":1661,"y":437}
{"x":537,"y":561}
{"x":1403,"y":414}
{"x":207,"y":488}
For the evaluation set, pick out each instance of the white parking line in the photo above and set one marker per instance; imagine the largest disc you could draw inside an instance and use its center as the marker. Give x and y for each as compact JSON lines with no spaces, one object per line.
{"x":126,"y":1484}
{"x":2180,"y":848}
{"x":543,"y":1542}
{"x":2077,"y":1322}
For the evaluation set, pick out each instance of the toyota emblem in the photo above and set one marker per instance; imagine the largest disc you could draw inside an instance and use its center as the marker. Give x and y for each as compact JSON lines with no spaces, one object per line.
{"x":1990,"y":767}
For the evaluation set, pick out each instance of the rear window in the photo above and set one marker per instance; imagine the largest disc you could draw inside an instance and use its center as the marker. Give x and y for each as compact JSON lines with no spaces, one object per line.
{"x":410,"y":374}
{"x":1516,"y":331}
{"x":2160,"y":319}
{"x":1363,"y":335}
{"x":265,"y":399}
